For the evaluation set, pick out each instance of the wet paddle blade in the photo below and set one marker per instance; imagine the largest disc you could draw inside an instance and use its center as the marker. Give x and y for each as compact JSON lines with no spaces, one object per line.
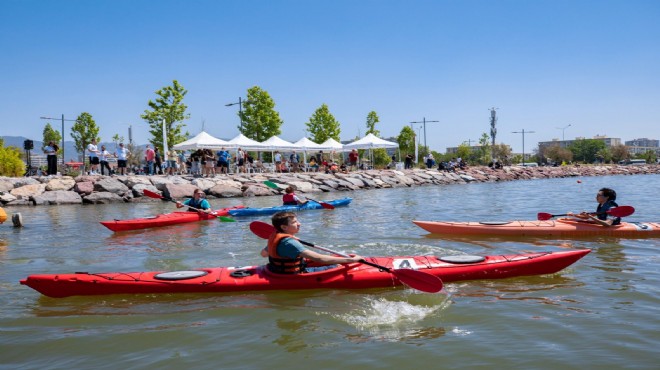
{"x":323,"y":204}
{"x":262,"y":229}
{"x":419,"y":280}
{"x":226,"y":219}
{"x":151,"y":194}
{"x":621,"y":211}
{"x":271,"y":185}
{"x":542,"y":216}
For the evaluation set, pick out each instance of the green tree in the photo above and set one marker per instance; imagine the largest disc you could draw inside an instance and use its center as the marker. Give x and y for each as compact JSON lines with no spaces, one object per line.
{"x":649,"y":156}
{"x":168,"y":106}
{"x":585,"y":150}
{"x":558,"y":154}
{"x":406,"y":140}
{"x":11,"y":163}
{"x":372,"y":120}
{"x":260,"y":119}
{"x":620,"y":153}
{"x":50,"y":134}
{"x":484,"y":149}
{"x":502,"y":152}
{"x":83,"y":131}
{"x":322,"y":125}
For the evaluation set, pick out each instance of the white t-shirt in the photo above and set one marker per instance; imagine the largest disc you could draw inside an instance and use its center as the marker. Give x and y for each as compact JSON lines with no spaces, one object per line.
{"x":92,"y":149}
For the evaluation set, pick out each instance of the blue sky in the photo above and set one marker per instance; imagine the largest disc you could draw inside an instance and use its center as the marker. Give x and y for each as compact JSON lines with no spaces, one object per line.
{"x":544,"y":64}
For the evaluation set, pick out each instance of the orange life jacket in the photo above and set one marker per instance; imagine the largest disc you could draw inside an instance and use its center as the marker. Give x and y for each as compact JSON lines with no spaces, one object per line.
{"x":279,"y":264}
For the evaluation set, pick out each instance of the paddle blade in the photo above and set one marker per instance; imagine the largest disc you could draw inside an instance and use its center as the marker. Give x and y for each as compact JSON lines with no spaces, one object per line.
{"x":151,"y":194}
{"x":542,"y":216}
{"x":226,"y":219}
{"x":621,"y":211}
{"x":324,"y":204}
{"x":262,"y":229}
{"x":419,"y":280}
{"x":271,"y":185}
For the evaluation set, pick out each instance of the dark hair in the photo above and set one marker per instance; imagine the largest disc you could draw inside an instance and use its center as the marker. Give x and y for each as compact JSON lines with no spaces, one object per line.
{"x":289,"y":189}
{"x":608,"y":193}
{"x":282,"y":219}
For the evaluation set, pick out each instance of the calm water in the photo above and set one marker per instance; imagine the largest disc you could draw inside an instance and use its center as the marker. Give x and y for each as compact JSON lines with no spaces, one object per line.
{"x":603,"y":312}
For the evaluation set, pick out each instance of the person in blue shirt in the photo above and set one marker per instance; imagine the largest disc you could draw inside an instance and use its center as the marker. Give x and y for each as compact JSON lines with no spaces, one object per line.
{"x":223,"y":160}
{"x":286,"y":255}
{"x":606,"y":200}
{"x":197,"y":201}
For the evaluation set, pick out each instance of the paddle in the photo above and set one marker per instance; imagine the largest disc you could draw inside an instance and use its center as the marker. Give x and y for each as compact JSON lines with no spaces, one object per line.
{"x":413,"y":278}
{"x":621,"y":211}
{"x":151,"y":194}
{"x":325,"y":205}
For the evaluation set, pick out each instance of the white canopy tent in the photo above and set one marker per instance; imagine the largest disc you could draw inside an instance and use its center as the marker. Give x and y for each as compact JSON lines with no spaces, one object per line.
{"x":306,"y":145}
{"x":202,"y":141}
{"x":276,"y":143}
{"x":244,"y":142}
{"x":370,"y":142}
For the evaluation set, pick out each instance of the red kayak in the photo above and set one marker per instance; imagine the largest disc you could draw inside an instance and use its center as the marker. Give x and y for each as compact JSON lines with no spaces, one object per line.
{"x":254,"y":278}
{"x":166,"y":219}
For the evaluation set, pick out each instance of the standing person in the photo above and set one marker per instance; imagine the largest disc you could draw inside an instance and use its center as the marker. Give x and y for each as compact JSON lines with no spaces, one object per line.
{"x":278,"y":161}
{"x":158,"y":162}
{"x":93,"y":157}
{"x":408,"y":162}
{"x":240,"y":160}
{"x":290,"y":198}
{"x":171,"y":162}
{"x":286,"y":255}
{"x":181,"y":161}
{"x":103,"y":158}
{"x":209,"y":164}
{"x":353,"y":159}
{"x":294,"y":160}
{"x":122,"y":158}
{"x":197,"y":201}
{"x":606,"y":200}
{"x":149,"y":156}
{"x":51,"y":157}
{"x":223,"y":160}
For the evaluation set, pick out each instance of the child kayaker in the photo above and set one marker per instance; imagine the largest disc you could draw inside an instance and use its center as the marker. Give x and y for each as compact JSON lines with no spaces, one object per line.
{"x":286,"y":255}
{"x":197,"y":202}
{"x":290,"y":198}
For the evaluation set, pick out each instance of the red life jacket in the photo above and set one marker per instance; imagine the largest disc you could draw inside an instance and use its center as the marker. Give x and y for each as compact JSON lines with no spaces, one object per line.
{"x":279,"y":264}
{"x":289,"y":199}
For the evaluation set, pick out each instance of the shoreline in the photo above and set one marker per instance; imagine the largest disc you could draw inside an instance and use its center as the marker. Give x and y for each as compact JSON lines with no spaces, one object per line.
{"x":99,"y":189}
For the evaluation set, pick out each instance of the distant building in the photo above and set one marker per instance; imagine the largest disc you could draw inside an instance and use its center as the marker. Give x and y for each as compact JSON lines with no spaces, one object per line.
{"x":609,"y":142}
{"x":641,"y":146}
{"x":454,"y":149}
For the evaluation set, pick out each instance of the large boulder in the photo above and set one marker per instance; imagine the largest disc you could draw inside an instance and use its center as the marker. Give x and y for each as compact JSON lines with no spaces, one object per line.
{"x":132,"y":181}
{"x":102,"y":197}
{"x":28,"y":191}
{"x":225,"y":191}
{"x":84,"y":187}
{"x":138,"y":190}
{"x":57,"y":197}
{"x":63,"y":183}
{"x":257,"y":190}
{"x":178,"y":191}
{"x":6,"y":185}
{"x":110,"y":185}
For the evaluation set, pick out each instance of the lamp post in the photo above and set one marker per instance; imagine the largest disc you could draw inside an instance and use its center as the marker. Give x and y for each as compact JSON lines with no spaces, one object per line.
{"x":240,"y":109}
{"x":424,"y":122}
{"x":562,"y":132}
{"x":523,"y":132}
{"x":69,"y":120}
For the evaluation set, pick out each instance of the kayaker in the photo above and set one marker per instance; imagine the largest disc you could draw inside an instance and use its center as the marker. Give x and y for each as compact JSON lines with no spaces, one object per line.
{"x":286,"y":255}
{"x":291,"y":199}
{"x":196,"y":202}
{"x":606,"y":200}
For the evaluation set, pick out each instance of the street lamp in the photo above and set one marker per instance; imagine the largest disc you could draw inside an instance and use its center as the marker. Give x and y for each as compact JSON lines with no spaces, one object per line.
{"x":70,"y":120}
{"x":562,"y":132}
{"x":240,"y":109}
{"x":424,"y":122}
{"x":523,"y":132}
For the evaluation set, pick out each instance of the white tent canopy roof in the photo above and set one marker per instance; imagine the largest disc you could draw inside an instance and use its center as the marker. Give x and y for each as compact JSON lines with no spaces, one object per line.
{"x":308,"y":145}
{"x":241,"y":141}
{"x":333,"y":144}
{"x":276,"y":143}
{"x":200,"y":141}
{"x":370,"y":141}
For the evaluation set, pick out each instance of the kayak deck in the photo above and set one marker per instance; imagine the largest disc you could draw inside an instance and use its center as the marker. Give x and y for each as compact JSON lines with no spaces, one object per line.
{"x":552,"y":228}
{"x":248,"y":211}
{"x":254,"y":278}
{"x":165,"y":219}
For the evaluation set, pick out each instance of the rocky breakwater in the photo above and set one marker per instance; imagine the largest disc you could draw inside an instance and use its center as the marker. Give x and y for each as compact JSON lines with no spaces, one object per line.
{"x":96,"y":189}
